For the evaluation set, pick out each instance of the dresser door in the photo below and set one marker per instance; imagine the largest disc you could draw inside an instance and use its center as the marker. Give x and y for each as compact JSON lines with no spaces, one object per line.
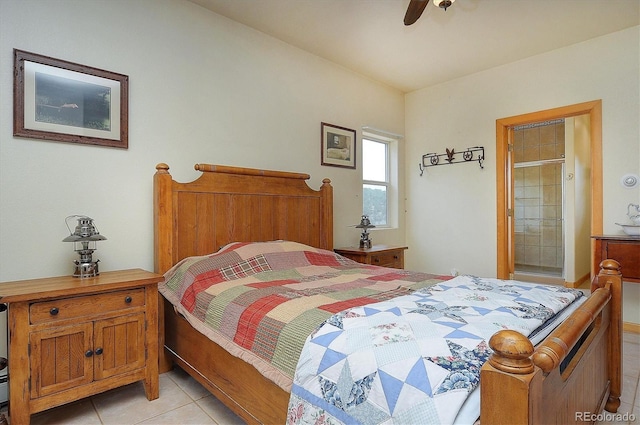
{"x":119,"y":345}
{"x":61,"y":358}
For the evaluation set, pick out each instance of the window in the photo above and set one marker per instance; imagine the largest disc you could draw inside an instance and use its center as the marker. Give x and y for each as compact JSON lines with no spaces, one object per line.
{"x":375,"y":181}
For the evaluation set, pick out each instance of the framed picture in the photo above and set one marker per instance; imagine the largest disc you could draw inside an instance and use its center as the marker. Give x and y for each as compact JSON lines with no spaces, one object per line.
{"x":338,"y":146}
{"x":67,"y":102}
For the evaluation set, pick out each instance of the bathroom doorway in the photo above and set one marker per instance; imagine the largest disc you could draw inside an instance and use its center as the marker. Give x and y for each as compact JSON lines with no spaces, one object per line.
{"x":549,"y":193}
{"x":539,"y":199}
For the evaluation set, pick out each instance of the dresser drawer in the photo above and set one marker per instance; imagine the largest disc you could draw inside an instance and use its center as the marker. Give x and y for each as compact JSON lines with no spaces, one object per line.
{"x":68,"y":308}
{"x":387,"y":259}
{"x":377,"y":255}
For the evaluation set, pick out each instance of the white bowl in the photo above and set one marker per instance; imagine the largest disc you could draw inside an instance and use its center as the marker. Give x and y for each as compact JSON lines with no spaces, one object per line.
{"x":630,"y":229}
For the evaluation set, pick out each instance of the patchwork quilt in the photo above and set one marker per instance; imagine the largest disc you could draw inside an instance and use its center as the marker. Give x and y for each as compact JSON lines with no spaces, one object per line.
{"x":260,"y":301}
{"x":415,"y":358}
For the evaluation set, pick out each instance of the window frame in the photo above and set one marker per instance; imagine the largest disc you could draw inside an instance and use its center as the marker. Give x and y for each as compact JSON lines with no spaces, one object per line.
{"x":387,"y":183}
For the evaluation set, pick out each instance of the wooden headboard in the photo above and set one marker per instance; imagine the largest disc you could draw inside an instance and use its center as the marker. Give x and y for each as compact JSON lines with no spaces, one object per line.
{"x":231,"y":204}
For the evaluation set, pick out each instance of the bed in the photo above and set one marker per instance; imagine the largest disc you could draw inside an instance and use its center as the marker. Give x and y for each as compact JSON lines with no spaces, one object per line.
{"x":574,"y":372}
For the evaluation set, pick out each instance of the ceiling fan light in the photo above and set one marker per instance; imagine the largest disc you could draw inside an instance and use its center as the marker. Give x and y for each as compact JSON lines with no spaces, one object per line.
{"x":443,"y":4}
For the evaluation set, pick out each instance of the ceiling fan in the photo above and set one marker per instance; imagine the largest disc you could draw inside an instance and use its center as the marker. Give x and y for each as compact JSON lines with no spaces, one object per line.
{"x":416,"y":7}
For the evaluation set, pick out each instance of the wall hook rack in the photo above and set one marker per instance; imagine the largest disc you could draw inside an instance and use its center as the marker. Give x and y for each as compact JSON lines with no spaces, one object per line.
{"x":468,"y":155}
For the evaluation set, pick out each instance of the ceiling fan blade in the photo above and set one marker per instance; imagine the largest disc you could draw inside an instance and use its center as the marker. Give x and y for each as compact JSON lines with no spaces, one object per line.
{"x":415,"y":9}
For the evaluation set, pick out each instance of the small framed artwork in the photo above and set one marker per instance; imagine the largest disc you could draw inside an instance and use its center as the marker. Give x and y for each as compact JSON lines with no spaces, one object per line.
{"x":66,"y":102}
{"x":338,"y":146}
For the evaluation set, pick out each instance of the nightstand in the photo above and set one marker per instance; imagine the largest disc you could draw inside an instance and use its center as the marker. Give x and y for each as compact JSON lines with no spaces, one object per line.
{"x":377,"y":255}
{"x":70,"y":338}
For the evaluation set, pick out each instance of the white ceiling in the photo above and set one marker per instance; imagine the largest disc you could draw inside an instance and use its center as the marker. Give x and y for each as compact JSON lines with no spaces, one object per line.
{"x":369,"y":37}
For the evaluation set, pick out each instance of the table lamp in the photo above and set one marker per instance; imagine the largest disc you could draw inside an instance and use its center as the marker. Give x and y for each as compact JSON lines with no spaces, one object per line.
{"x":365,"y":225}
{"x":84,"y":239}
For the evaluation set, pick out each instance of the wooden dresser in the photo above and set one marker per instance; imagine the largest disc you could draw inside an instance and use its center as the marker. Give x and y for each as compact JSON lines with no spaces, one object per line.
{"x":624,"y":249}
{"x":377,"y":255}
{"x":70,"y":338}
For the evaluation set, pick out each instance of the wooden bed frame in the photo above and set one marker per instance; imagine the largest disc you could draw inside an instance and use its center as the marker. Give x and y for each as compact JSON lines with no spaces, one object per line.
{"x":575,"y":372}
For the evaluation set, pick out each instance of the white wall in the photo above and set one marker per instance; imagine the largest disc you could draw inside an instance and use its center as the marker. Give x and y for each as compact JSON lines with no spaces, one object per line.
{"x":206,"y":89}
{"x":451,"y":210}
{"x":202,"y":89}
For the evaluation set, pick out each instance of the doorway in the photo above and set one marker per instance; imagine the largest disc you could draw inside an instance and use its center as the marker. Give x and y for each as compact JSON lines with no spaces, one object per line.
{"x":506,"y":176}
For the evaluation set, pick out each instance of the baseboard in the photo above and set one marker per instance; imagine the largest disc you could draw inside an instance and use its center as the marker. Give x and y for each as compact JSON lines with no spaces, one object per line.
{"x":584,"y":280}
{"x":631,"y":327}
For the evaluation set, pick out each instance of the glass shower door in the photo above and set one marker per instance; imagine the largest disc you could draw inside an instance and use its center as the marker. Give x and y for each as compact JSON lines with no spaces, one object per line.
{"x":538,"y":212}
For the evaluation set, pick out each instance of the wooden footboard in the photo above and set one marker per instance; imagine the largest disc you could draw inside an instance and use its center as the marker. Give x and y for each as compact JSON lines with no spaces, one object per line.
{"x":573,"y":374}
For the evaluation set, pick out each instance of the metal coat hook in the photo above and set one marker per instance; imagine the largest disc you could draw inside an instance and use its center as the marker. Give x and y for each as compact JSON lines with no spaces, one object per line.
{"x":433,"y":159}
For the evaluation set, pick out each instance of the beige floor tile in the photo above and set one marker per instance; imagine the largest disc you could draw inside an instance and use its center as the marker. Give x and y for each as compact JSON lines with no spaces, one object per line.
{"x":80,"y":412}
{"x":219,"y":412}
{"x":631,"y":337}
{"x":129,"y":405}
{"x":188,"y":384}
{"x":185,"y":415}
{"x":629,"y":388}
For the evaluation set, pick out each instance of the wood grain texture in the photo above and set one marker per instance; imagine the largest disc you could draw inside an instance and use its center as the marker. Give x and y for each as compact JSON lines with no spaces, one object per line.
{"x":234,"y":204}
{"x":622,"y":248}
{"x":527,"y":386}
{"x":229,"y":204}
{"x":72,"y":338}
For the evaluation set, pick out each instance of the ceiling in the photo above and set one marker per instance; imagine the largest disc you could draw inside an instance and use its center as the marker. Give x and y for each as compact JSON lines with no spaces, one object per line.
{"x":369,"y":37}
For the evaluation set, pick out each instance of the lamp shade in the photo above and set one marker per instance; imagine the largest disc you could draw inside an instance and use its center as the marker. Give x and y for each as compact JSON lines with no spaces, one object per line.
{"x":365,"y":223}
{"x":84,"y":231}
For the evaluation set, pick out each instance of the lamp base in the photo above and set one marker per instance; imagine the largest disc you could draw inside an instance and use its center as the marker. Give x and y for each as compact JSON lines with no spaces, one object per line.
{"x":84,"y":270}
{"x":365,"y":243}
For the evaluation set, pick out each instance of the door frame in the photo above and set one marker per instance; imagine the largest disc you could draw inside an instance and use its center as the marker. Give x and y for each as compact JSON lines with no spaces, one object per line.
{"x":504,"y":174}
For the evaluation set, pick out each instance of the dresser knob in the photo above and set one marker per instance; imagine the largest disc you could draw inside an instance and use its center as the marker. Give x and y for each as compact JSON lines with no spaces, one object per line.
{"x":395,"y":257}
{"x":128,"y":299}
{"x":89,"y":353}
{"x":98,"y":351}
{"x":54,"y":311}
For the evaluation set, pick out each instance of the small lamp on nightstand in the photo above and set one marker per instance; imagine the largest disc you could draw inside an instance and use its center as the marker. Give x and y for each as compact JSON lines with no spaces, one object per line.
{"x":365,"y":225}
{"x":86,"y":235}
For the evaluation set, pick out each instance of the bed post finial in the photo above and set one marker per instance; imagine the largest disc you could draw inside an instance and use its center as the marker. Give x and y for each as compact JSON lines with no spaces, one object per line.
{"x":509,"y":378}
{"x":610,"y":267}
{"x":162,"y":168}
{"x":512,"y":352}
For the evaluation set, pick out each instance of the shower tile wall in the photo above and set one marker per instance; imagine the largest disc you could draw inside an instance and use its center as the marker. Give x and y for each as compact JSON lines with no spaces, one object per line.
{"x":538,"y":198}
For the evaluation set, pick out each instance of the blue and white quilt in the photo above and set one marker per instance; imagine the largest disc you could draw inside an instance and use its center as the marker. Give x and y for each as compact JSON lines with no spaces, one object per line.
{"x":413,"y":359}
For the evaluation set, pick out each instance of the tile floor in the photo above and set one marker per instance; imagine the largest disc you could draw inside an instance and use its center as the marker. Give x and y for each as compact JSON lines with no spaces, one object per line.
{"x":184,"y":401}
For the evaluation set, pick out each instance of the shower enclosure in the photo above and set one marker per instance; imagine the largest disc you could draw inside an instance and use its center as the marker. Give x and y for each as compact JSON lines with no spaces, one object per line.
{"x":539,"y":192}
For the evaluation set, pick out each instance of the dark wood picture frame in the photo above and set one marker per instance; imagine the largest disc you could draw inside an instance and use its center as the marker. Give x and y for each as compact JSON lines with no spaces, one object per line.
{"x":64,"y":101}
{"x":337,"y":146}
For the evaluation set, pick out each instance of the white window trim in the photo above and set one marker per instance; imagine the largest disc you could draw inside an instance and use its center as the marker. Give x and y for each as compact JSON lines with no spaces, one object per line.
{"x":391,"y":140}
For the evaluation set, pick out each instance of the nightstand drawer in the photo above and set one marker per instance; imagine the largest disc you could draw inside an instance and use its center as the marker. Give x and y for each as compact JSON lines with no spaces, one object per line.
{"x":377,"y":255}
{"x":69,"y":308}
{"x":387,"y":259}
